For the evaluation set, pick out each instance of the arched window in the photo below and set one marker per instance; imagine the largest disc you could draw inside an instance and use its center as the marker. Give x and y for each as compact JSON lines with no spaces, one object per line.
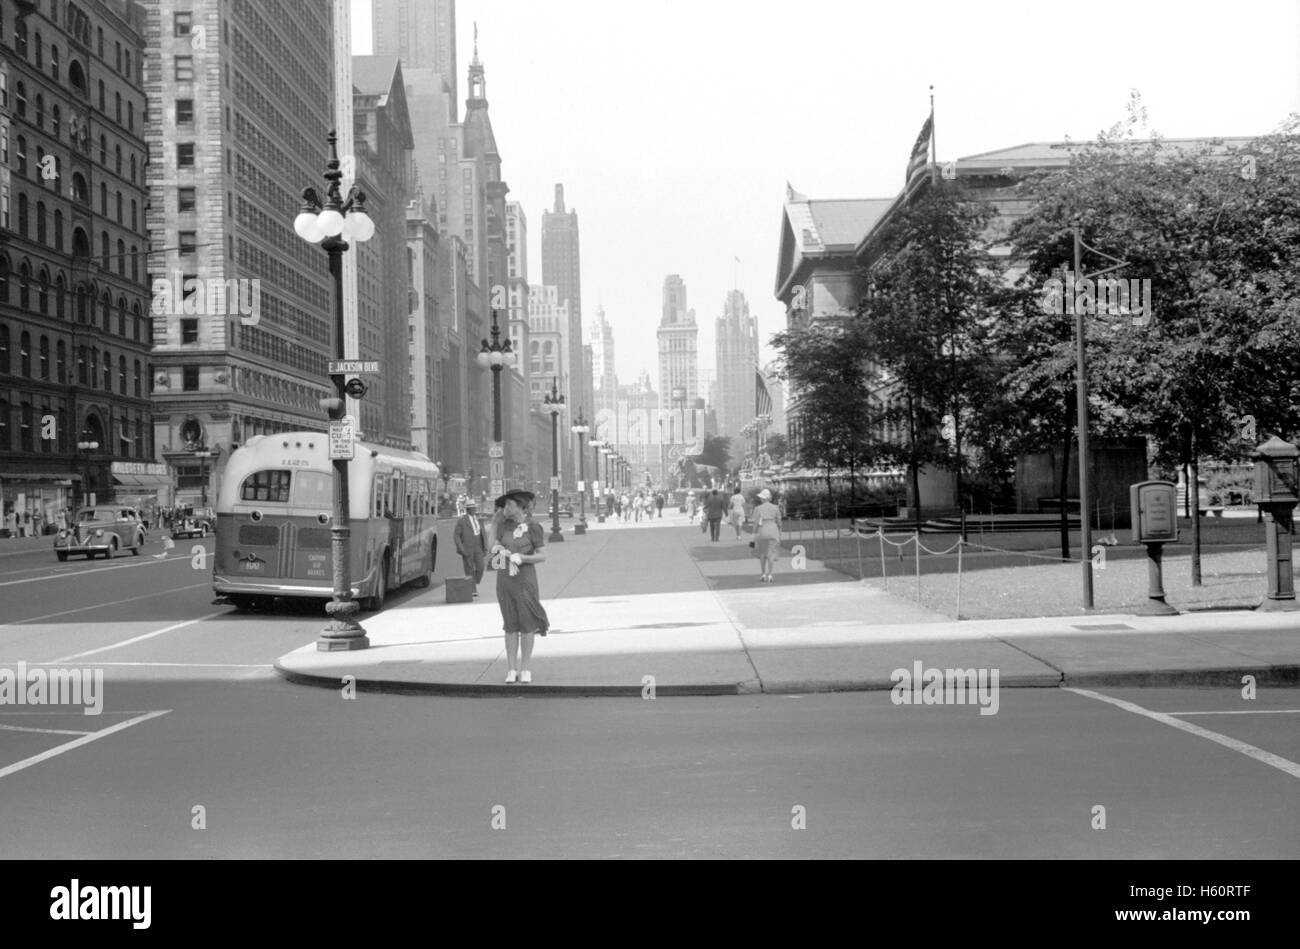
{"x":121,"y":375}
{"x":58,"y":231}
{"x":20,"y":99}
{"x":21,"y":155}
{"x":130,"y":116}
{"x":40,"y":51}
{"x":117,"y":157}
{"x":56,"y":120}
{"x":135,"y":263}
{"x":25,"y":354}
{"x":119,"y":207}
{"x":4,"y":348}
{"x":103,"y":150}
{"x":77,"y":76}
{"x":94,"y":367}
{"x":22,"y":215}
{"x":80,"y":244}
{"x":138,"y":321}
{"x":40,"y":222}
{"x":79,"y":190}
{"x":20,"y":37}
{"x":103,"y":198}
{"x":103,"y":249}
{"x":60,"y":297}
{"x":81,"y":365}
{"x":25,"y":286}
{"x":117,"y":107}
{"x":4,"y":279}
{"x":121,"y":317}
{"x":133,"y":168}
{"x":4,"y":426}
{"x":121,"y":258}
{"x":108,"y":370}
{"x":137,"y":378}
{"x":54,"y":60}
{"x":101,"y":96}
{"x":40,"y":111}
{"x":61,"y":363}
{"x":43,"y":292}
{"x":45,"y":357}
{"x":106,"y":310}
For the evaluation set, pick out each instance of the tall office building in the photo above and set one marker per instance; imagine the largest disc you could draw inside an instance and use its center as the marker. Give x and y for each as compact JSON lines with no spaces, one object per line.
{"x":604,"y":381}
{"x":240,"y":106}
{"x":425,"y":352}
{"x":74,"y":282}
{"x":383,"y":145}
{"x":678,"y":346}
{"x":562,"y":269}
{"x":421,"y":33}
{"x":736,"y":341}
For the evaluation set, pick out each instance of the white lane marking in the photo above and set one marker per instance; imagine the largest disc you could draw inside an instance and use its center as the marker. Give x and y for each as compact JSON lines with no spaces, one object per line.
{"x":77,"y":743}
{"x":1250,"y":751}
{"x":136,"y":639}
{"x":95,"y":606}
{"x":1249,"y":711}
{"x":182,"y":665}
{"x":81,"y":573}
{"x":42,"y":731}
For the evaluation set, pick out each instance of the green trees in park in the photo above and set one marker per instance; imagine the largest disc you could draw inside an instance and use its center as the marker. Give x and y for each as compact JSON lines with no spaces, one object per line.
{"x":1214,"y":367}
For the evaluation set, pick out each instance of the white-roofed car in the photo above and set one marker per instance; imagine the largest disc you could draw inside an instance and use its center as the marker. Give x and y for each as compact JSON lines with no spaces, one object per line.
{"x":104,"y":529}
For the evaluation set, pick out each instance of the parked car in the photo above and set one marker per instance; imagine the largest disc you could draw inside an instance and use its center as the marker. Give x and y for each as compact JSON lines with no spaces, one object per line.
{"x":101,"y":530}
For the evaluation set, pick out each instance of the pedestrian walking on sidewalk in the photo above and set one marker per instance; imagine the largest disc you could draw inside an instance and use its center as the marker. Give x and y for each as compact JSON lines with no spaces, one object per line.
{"x":659,"y":503}
{"x":471,"y":543}
{"x":714,"y":506}
{"x":737,"y":513}
{"x":767,"y":534}
{"x":518,"y":543}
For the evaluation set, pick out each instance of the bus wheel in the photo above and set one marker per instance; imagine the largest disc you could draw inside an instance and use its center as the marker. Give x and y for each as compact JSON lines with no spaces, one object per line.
{"x":242,"y":603}
{"x":375,"y":602}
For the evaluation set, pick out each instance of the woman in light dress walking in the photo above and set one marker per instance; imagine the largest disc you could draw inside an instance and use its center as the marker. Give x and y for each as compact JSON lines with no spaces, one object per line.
{"x":767,"y":534}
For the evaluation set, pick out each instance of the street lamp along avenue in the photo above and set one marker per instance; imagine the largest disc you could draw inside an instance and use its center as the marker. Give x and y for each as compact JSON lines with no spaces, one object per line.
{"x":598,"y":448}
{"x":580,"y":428}
{"x":332,"y":223}
{"x":554,"y":403}
{"x":496,"y":356}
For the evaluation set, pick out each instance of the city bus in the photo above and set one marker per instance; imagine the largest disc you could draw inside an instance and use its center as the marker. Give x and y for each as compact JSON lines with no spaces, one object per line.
{"x":275,"y":507}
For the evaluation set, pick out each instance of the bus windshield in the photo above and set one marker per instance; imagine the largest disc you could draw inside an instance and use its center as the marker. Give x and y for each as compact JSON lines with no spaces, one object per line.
{"x":299,"y":488}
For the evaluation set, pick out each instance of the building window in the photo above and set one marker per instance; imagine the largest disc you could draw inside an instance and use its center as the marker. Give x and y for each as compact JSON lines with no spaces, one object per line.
{"x":25,"y":354}
{"x":185,"y":155}
{"x":188,"y":242}
{"x":56,"y":120}
{"x":108,"y":371}
{"x":130,"y":116}
{"x":22,"y":216}
{"x":121,"y":375}
{"x":58,"y":230}
{"x":189,"y":331}
{"x":20,"y":102}
{"x":40,"y":222}
{"x":185,"y":199}
{"x":137,"y":378}
{"x":184,"y":68}
{"x":190,"y":378}
{"x":20,"y":37}
{"x":103,"y":150}
{"x":184,"y":111}
{"x":184,"y":22}
{"x":61,"y":361}
{"x":102,"y":107}
{"x":117,"y":107}
{"x":54,"y":61}
{"x":45,"y":357}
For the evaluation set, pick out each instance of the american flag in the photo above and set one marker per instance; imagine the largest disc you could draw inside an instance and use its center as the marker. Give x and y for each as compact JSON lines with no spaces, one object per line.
{"x":916,"y":165}
{"x":762,"y":398}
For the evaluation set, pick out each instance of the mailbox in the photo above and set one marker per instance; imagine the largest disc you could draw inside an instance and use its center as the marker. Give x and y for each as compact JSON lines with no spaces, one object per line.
{"x":1275,"y":472}
{"x":1154,"y":508}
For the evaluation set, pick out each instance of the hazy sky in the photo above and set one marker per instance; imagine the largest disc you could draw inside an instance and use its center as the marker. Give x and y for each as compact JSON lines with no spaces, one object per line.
{"x":675,"y":124}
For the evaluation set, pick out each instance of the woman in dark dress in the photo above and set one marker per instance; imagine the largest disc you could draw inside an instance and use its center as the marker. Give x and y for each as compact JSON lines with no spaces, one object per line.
{"x":517,"y":544}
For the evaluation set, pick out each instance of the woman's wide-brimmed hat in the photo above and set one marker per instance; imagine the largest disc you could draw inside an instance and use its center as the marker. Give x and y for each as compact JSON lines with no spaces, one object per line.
{"x":519,"y":496}
{"x":765,"y":494}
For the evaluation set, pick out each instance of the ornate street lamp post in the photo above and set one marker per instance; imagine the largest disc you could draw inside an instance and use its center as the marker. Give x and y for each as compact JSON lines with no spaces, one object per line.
{"x":580,"y":428}
{"x":554,"y":403}
{"x":597,"y":497}
{"x":496,"y":356}
{"x":332,"y":223}
{"x":87,"y":444}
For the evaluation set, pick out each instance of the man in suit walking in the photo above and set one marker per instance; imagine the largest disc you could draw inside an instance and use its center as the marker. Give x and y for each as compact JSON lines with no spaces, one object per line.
{"x":714,"y":506}
{"x":471,"y":543}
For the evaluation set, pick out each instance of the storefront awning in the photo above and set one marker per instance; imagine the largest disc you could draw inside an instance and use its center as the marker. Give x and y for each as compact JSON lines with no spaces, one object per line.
{"x":142,"y":480}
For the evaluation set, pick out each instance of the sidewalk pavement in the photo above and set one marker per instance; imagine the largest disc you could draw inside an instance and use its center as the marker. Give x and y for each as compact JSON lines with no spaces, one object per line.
{"x":655,"y":604}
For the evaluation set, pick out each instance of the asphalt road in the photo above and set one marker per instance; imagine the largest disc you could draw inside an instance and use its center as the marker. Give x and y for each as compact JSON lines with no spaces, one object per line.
{"x":194,"y":717}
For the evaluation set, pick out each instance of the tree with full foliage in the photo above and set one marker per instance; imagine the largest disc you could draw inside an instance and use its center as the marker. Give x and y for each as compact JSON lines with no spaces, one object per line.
{"x":933,"y":292}
{"x":825,"y":366}
{"x":1215,"y":228}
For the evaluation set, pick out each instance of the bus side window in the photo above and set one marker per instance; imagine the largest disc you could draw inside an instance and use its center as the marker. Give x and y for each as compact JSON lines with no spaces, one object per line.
{"x":379,"y":498}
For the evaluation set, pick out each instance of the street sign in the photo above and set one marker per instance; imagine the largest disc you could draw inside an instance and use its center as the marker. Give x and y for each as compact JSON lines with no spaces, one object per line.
{"x":582,"y":486}
{"x":342,"y":437}
{"x":555,"y":482}
{"x":496,"y":450}
{"x":497,"y":469}
{"x":342,"y":367}
{"x":496,"y":488}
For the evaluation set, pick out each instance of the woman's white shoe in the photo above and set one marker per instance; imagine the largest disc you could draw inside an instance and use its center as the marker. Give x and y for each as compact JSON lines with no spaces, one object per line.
{"x":511,"y":676}
{"x":525,"y":676}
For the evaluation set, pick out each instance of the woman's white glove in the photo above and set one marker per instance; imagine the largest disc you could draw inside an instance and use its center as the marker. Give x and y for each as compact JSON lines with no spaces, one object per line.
{"x":515,"y":561}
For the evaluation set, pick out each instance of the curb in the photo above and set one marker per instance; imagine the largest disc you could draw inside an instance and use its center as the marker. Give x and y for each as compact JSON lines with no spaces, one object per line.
{"x":507,"y":691}
{"x":1273,"y":676}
